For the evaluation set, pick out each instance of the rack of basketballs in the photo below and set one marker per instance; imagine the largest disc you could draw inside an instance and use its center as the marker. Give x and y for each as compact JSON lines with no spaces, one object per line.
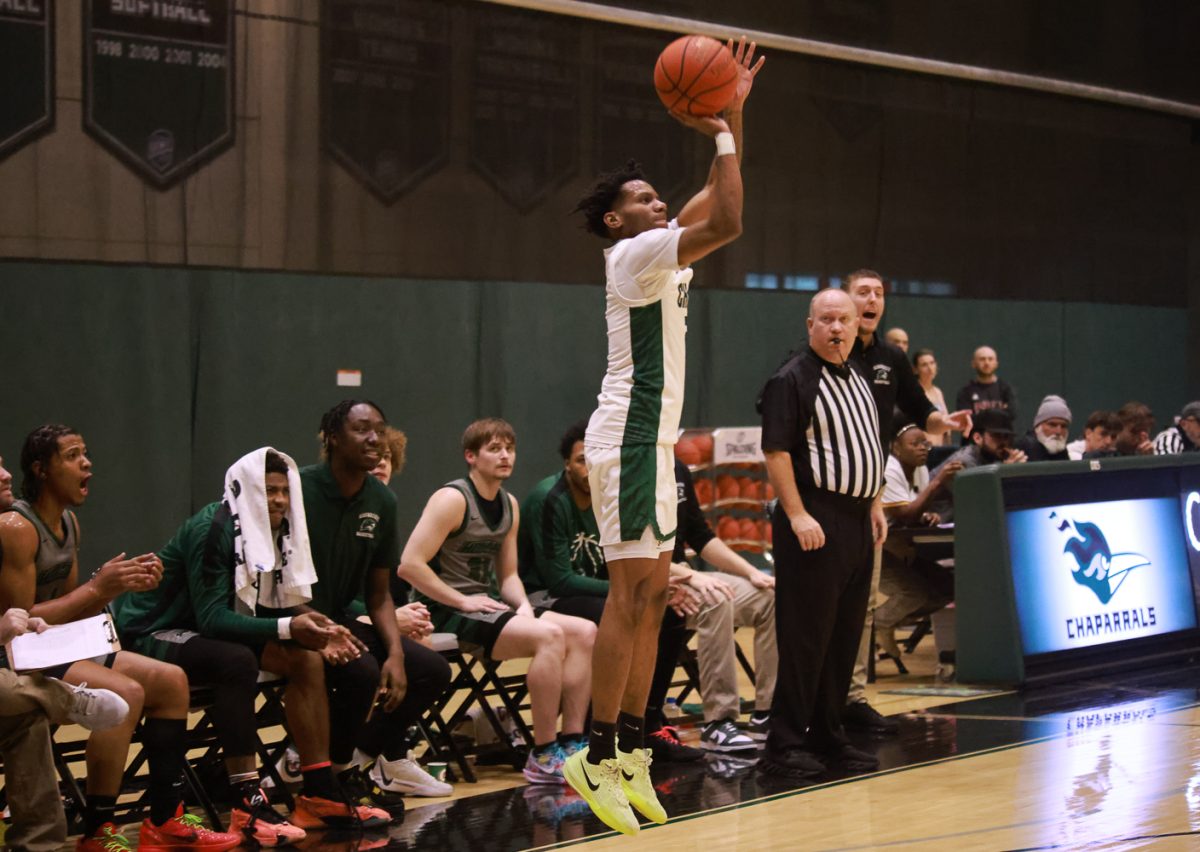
{"x":731,"y":483}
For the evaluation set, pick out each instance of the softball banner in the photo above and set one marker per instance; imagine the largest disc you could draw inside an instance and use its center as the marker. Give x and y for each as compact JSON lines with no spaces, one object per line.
{"x":158,"y":82}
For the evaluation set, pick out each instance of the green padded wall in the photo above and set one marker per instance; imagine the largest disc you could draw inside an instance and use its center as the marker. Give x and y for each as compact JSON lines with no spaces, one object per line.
{"x":171,"y":374}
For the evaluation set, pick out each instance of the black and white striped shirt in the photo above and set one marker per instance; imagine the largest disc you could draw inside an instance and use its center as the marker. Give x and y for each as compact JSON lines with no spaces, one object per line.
{"x":1172,"y":441}
{"x":824,"y":415}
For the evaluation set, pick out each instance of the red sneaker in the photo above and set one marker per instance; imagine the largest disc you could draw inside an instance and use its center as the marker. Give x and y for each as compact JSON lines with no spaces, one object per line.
{"x":257,"y":820}
{"x":106,"y":839}
{"x":316,"y":812}
{"x":181,"y":832}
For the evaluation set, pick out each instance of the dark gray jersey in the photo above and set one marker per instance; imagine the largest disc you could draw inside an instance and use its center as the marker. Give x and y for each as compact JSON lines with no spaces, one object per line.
{"x":55,"y":554}
{"x":466,"y":560}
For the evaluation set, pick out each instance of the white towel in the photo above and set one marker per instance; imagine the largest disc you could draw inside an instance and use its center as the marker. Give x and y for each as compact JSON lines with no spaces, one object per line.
{"x":254,"y":542}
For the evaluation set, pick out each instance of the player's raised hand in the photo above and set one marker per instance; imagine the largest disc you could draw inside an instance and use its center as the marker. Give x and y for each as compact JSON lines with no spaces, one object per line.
{"x":709,"y":125}
{"x":748,"y":69}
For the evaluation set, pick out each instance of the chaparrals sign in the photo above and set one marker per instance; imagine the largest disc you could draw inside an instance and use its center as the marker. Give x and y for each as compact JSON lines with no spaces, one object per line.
{"x":1094,"y":573}
{"x":26,"y":71}
{"x":385,"y":73}
{"x":158,"y":82}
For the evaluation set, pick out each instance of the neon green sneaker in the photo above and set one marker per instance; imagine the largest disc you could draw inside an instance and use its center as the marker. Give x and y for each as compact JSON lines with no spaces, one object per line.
{"x":635,"y":781}
{"x":600,"y":786}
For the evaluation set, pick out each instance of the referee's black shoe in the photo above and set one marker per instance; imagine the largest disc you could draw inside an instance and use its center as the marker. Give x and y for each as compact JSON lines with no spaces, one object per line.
{"x":794,"y":764}
{"x":846,"y":758}
{"x":861,"y":716}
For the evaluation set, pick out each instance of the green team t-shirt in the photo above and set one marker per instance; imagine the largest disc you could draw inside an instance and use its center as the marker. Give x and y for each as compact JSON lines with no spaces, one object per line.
{"x":196,"y":590}
{"x":558,"y":544}
{"x":349,"y":536}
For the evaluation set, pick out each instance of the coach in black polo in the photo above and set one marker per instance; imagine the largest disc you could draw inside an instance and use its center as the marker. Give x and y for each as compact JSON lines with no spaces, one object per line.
{"x":894,"y":386}
{"x":821,"y":441}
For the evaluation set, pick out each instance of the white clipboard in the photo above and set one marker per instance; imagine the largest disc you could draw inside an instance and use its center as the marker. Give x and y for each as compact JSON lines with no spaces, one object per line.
{"x":63,"y":643}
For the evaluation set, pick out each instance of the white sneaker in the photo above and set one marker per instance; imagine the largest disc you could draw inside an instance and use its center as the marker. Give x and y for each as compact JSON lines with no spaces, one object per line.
{"x":288,"y":767}
{"x":407,"y":777}
{"x":722,"y":735}
{"x":97,"y":709}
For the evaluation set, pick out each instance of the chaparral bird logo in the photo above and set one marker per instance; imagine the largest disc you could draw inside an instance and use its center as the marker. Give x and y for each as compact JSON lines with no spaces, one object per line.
{"x":1096,"y":566}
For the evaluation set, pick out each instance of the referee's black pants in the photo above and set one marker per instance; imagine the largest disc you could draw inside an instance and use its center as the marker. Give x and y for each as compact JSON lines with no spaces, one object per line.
{"x":821,"y":603}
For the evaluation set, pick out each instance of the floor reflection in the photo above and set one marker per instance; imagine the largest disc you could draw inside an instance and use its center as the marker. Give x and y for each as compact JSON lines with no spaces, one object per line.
{"x":1101,"y":734}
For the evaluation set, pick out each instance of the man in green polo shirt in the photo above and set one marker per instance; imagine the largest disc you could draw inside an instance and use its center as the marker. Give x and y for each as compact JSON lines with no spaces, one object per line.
{"x":355,"y":549}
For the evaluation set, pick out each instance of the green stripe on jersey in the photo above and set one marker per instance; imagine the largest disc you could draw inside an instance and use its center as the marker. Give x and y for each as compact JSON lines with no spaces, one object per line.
{"x":645,"y":398}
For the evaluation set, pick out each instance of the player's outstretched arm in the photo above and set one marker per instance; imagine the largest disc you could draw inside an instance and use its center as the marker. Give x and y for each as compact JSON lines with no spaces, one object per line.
{"x":723,"y":224}
{"x":700,"y":205}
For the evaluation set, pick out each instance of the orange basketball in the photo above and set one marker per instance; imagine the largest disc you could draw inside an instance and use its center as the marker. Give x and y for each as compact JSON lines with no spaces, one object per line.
{"x":768,"y":492}
{"x":748,"y":530}
{"x":768,"y":532}
{"x":687,"y":452}
{"x":748,"y":489}
{"x":704,"y":443}
{"x":696,"y":75}
{"x":728,"y":528}
{"x":704,"y":491}
{"x":727,"y":487}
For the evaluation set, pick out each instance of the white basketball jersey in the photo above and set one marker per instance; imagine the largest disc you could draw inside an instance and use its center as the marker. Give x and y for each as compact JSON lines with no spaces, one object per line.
{"x":646,"y":297}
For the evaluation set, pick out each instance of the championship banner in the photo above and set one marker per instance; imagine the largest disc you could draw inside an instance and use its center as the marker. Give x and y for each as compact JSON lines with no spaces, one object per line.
{"x":385,"y":74}
{"x":27,"y":71}
{"x":625,"y":99}
{"x":524,"y":103}
{"x":158,"y":82}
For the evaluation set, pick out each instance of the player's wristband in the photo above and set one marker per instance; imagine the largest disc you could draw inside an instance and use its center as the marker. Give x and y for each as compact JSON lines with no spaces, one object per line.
{"x":285,"y":627}
{"x":725,"y":143}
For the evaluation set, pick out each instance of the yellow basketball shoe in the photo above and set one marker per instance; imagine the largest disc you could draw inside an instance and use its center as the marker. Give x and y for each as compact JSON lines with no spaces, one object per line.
{"x":635,"y":781}
{"x":600,"y":786}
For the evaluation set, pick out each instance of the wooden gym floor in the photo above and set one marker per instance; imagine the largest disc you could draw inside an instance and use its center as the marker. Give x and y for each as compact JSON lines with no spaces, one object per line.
{"x":1104,"y":764}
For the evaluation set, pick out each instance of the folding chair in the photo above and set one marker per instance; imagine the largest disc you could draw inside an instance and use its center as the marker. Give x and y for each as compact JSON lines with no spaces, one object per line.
{"x":480,"y":687}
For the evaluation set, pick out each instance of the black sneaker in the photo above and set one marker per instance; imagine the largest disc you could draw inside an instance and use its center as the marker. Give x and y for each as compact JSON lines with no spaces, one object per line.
{"x":359,"y":789}
{"x":666,"y":747}
{"x":861,"y":716}
{"x":847,"y":758}
{"x":795,"y":764}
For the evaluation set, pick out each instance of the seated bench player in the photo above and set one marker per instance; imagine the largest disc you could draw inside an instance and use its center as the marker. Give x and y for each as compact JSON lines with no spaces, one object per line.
{"x":462,"y":558}
{"x":232,"y":575}
{"x":39,"y":540}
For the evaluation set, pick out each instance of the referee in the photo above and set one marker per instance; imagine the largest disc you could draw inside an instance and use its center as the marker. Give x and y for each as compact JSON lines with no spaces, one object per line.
{"x":821,"y":440}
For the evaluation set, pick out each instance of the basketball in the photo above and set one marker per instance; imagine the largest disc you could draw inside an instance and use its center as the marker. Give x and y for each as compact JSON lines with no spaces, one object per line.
{"x":704,"y":443}
{"x":728,"y":528}
{"x":748,"y":489}
{"x":704,"y":491}
{"x":696,"y":75}
{"x":727,"y":487}
{"x":687,"y":452}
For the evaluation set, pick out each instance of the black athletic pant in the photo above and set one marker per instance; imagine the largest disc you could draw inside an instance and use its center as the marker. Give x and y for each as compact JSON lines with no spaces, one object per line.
{"x":824,"y":594}
{"x":671,"y":639}
{"x":231,"y":669}
{"x":353,"y":687}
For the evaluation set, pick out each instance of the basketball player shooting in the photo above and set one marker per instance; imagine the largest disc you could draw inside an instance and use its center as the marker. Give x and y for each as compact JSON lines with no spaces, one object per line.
{"x":631,"y":436}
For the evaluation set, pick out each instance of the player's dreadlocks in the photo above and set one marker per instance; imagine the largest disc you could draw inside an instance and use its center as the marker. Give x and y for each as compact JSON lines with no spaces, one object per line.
{"x":39,"y":448}
{"x":335,"y":418}
{"x":599,"y":199}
